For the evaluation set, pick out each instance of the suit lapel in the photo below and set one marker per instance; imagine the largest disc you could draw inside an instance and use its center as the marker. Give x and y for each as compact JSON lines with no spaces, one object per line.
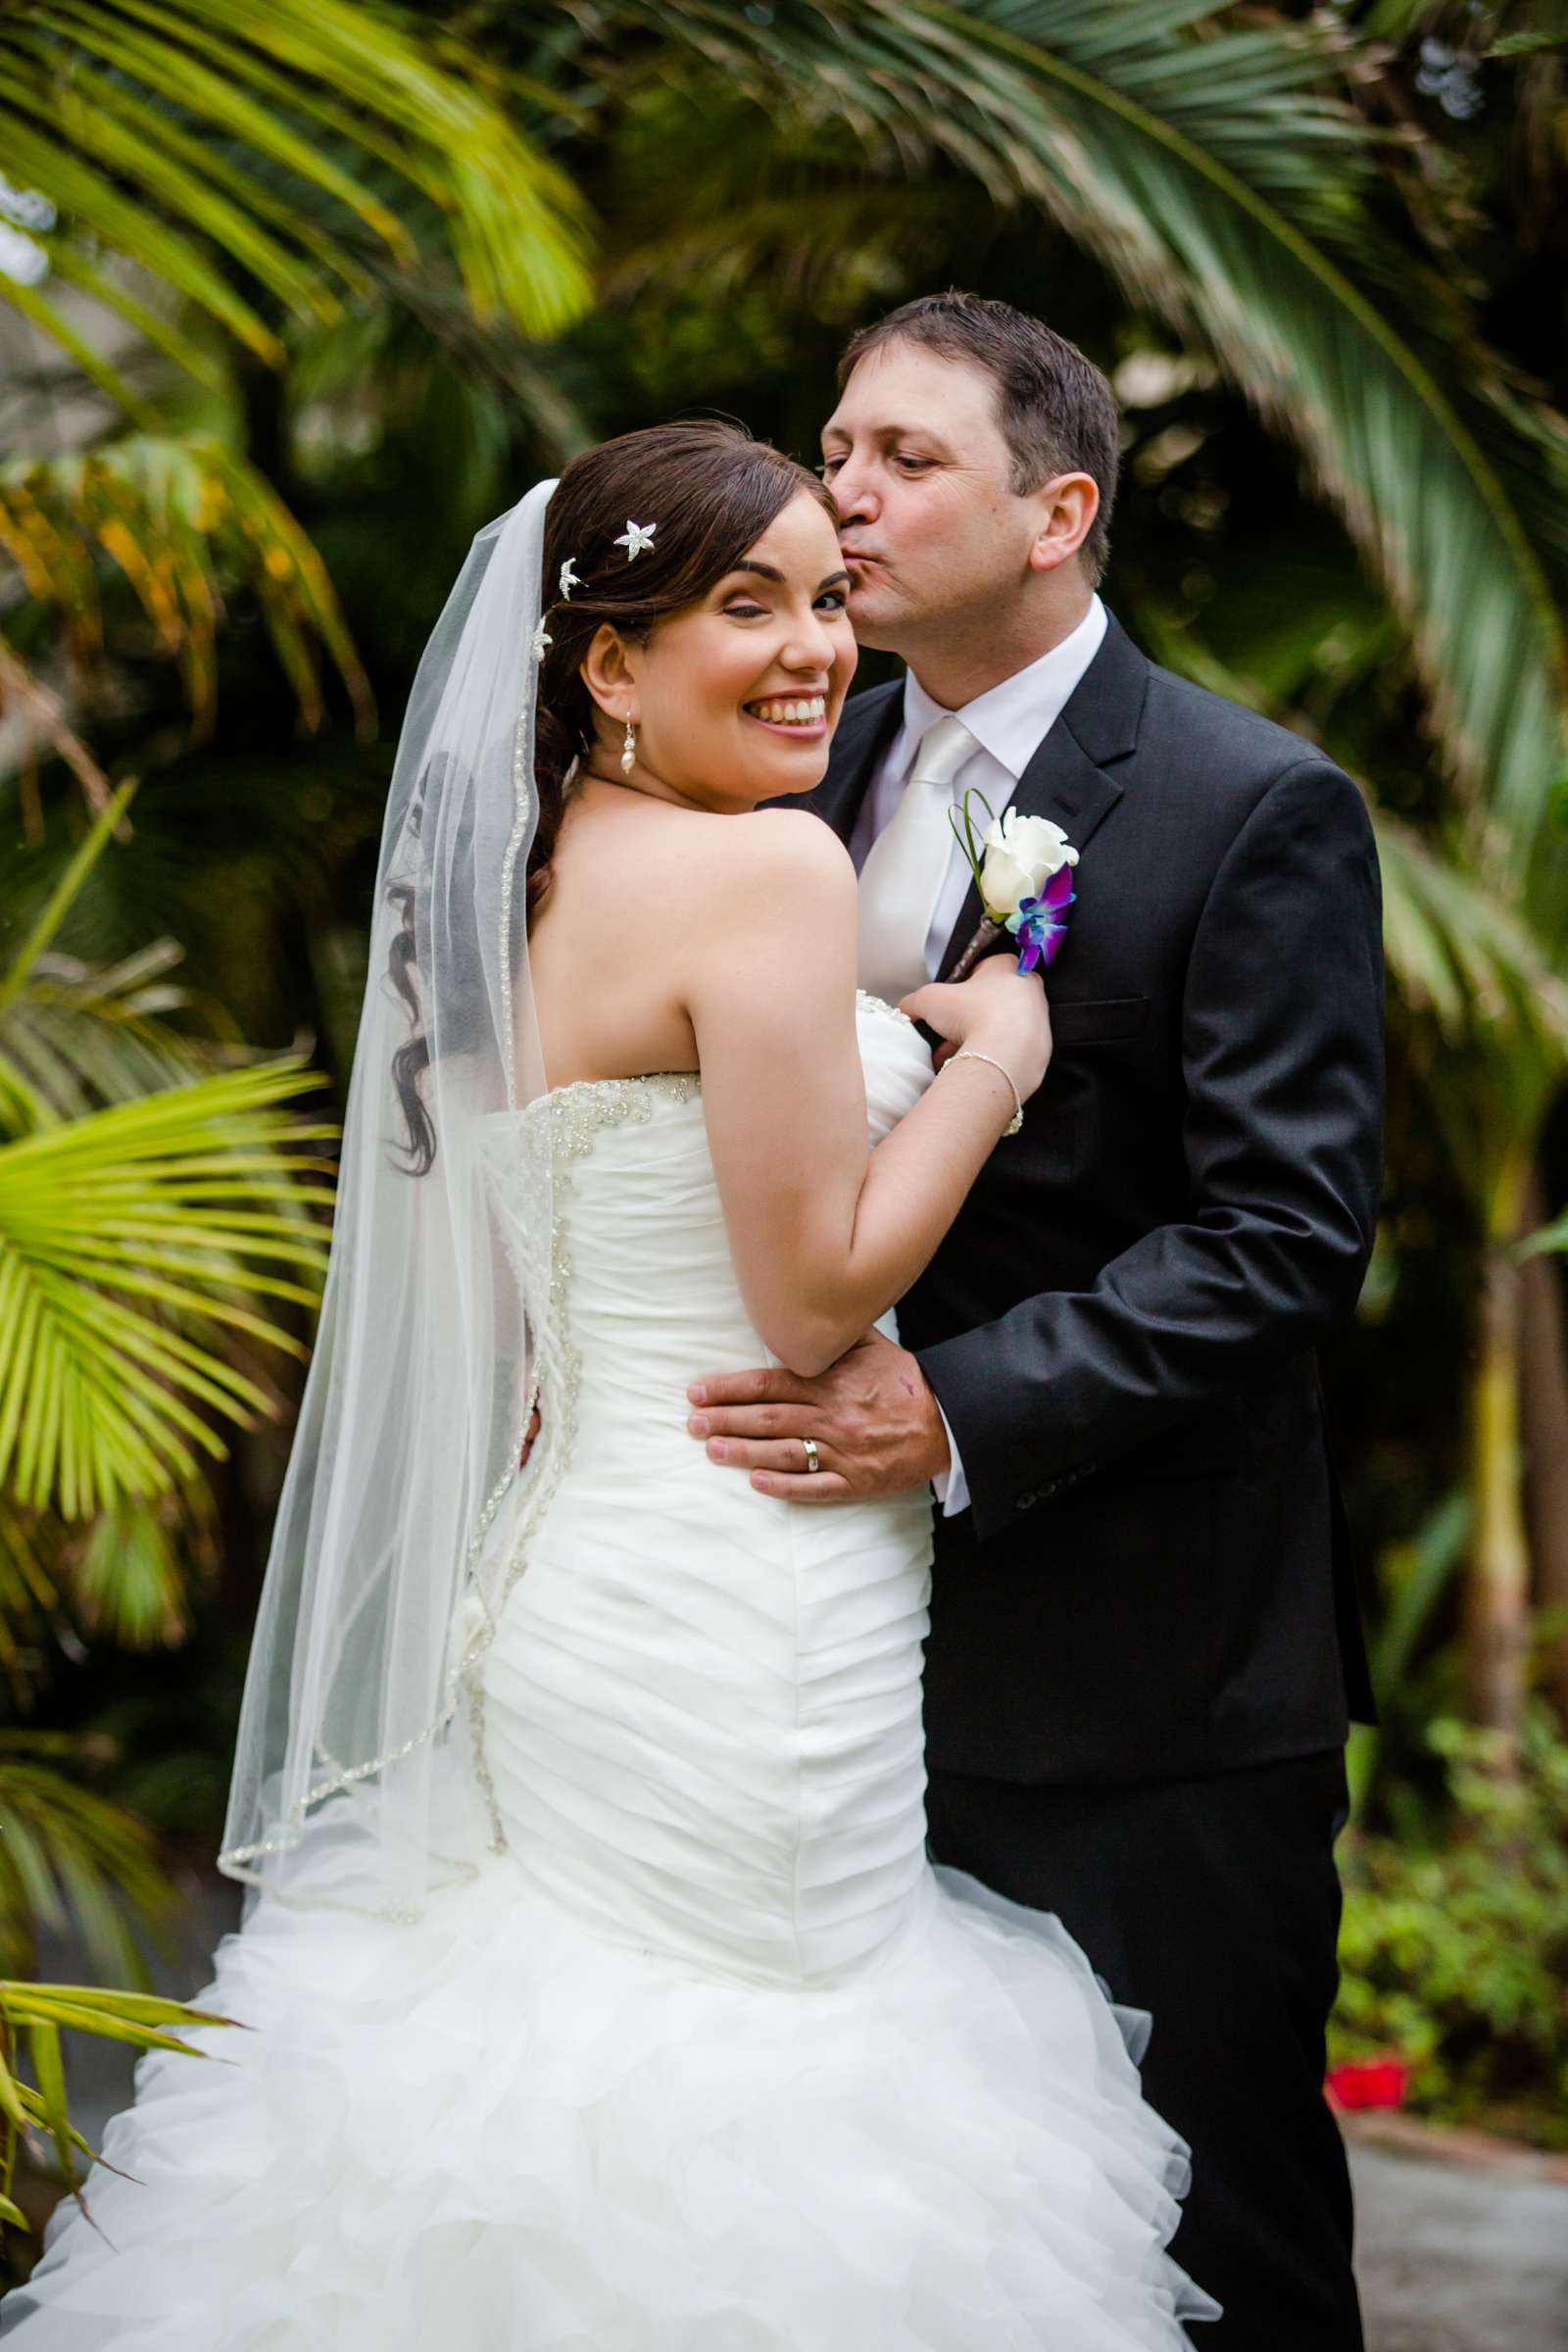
{"x":1066,"y":778}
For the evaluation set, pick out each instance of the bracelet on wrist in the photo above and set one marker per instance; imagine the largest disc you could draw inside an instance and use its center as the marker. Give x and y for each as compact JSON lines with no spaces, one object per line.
{"x":968,"y":1053}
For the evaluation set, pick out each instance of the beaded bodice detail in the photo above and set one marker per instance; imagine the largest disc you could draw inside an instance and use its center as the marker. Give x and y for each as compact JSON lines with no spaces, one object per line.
{"x":573,"y":1116}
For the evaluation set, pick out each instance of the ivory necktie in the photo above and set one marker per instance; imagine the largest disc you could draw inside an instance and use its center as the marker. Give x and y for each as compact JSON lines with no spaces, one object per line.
{"x":902,"y":878}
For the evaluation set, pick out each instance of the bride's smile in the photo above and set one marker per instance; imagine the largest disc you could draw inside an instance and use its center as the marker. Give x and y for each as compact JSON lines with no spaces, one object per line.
{"x":805,"y":716}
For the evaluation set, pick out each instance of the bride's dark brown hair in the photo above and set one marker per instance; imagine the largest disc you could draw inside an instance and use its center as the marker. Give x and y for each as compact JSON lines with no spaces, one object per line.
{"x":710,"y":491}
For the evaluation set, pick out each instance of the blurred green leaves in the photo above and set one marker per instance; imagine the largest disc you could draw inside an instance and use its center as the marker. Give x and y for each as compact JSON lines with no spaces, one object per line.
{"x":1455,"y":1950}
{"x":180,"y":522}
{"x":240,"y":159}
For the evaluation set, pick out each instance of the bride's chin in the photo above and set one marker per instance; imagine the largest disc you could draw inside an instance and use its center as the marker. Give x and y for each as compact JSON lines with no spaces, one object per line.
{"x":794,"y":785}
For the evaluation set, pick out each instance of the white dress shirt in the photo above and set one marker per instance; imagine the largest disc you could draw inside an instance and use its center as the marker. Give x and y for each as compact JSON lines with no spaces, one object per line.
{"x":1007,"y":722}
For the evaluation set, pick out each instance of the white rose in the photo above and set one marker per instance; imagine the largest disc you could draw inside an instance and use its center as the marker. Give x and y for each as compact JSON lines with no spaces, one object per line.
{"x":1022,"y":853}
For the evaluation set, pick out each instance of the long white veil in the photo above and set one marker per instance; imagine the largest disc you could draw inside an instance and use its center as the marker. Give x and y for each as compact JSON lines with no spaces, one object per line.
{"x":384,"y":1574}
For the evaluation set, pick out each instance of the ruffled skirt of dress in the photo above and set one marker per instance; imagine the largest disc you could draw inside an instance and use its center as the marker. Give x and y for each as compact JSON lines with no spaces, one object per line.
{"x":494,"y":2131}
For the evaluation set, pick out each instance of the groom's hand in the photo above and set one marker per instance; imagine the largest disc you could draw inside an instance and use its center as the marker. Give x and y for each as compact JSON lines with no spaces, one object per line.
{"x":874,"y":1421}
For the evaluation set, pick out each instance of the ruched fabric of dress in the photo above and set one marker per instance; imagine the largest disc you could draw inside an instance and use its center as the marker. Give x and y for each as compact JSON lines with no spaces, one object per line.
{"x":707,"y":2057}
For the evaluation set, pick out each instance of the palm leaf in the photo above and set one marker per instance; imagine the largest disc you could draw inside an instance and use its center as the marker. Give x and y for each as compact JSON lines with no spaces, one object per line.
{"x":28,"y":1594}
{"x":120,"y":1234}
{"x":171,"y":137}
{"x":1463,"y":956}
{"x":128,"y":1582}
{"x":180,"y":521}
{"x":77,"y":1038}
{"x":71,"y":1861}
{"x":42,"y":2012}
{"x":64,"y":893}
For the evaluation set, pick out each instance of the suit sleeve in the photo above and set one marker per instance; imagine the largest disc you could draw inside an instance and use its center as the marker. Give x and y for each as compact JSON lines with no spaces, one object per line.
{"x":1282,"y":1055}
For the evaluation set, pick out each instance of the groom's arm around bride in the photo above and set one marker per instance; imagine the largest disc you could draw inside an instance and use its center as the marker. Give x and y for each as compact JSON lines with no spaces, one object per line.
{"x":1144,"y":1645}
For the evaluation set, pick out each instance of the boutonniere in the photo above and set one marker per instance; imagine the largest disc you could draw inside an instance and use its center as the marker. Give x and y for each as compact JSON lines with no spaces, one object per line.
{"x":1022,"y":866}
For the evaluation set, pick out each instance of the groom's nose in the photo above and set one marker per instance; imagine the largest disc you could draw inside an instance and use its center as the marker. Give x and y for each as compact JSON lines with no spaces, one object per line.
{"x":853,"y":495}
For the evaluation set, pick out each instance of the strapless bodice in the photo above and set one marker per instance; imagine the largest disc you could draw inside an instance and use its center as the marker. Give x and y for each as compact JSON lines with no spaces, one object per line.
{"x":700,"y":1718}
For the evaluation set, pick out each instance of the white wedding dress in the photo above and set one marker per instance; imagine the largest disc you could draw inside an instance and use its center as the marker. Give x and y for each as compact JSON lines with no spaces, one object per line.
{"x":709,"y":2059}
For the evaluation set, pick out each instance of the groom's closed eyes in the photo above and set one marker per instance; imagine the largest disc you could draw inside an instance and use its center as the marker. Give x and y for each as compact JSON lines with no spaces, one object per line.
{"x":907,"y":459}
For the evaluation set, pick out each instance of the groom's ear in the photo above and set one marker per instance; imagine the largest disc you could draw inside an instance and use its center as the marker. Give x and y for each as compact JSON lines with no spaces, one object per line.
{"x":608,"y":669}
{"x":1067,"y":506}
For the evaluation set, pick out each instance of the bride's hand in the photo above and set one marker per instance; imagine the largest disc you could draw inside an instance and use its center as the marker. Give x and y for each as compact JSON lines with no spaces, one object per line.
{"x":998,"y":1010}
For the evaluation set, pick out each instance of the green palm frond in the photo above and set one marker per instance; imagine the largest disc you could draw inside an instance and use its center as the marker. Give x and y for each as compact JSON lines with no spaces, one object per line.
{"x":211,"y":143}
{"x":1493,"y":1054}
{"x":35,"y":2113}
{"x":79,"y":1037}
{"x":124,"y":1577}
{"x":149,"y":1203}
{"x":30,"y":1595}
{"x":73,"y":1038}
{"x":178,"y":521}
{"x":67,"y":888}
{"x":120,"y":1235}
{"x":128,"y":1582}
{"x":1462,"y":956}
{"x":1549,"y":1237}
{"x":71,"y":1862}
{"x":816,"y":249}
{"x":1212,"y":172}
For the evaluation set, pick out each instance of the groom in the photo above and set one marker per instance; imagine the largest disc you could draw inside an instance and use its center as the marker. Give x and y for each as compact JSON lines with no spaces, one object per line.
{"x":1145,"y":1647}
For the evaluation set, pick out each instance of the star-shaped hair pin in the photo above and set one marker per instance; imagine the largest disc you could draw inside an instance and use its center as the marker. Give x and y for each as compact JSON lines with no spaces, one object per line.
{"x":568,"y":579}
{"x":541,"y":638}
{"x":636,"y":536}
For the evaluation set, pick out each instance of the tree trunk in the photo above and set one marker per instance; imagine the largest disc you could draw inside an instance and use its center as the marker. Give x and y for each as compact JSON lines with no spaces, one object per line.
{"x":1544,"y":1430}
{"x":1497,"y":1595}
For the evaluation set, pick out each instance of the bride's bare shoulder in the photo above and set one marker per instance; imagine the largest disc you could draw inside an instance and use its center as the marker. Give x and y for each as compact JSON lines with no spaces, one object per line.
{"x":782,"y":854}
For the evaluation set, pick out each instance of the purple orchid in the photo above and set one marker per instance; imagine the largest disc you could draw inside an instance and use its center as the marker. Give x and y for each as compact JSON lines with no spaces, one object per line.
{"x":1041,"y":924}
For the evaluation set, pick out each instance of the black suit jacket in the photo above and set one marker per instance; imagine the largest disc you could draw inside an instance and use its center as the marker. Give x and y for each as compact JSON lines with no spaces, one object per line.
{"x":1153,"y":1580}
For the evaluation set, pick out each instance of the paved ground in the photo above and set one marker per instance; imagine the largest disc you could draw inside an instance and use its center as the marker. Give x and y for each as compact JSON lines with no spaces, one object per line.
{"x":1451,"y":2259}
{"x":1458,"y":2261}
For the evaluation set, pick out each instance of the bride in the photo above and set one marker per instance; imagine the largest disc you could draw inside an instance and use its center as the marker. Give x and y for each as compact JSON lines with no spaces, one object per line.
{"x":598,"y":1992}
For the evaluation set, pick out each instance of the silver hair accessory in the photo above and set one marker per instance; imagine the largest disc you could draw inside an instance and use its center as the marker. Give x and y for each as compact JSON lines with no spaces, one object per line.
{"x":629,"y":754}
{"x":568,"y":579}
{"x":541,"y":638}
{"x":636,"y":536}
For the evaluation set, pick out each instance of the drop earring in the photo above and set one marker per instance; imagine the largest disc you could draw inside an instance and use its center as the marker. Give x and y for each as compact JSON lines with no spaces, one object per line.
{"x":629,"y":753}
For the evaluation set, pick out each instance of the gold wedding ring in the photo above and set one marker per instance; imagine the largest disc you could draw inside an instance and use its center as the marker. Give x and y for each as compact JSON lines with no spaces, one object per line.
{"x":812,"y":1460}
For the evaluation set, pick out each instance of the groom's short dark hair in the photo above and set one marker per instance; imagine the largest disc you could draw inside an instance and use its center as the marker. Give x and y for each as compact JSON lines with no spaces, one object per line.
{"x":1057,"y":412}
